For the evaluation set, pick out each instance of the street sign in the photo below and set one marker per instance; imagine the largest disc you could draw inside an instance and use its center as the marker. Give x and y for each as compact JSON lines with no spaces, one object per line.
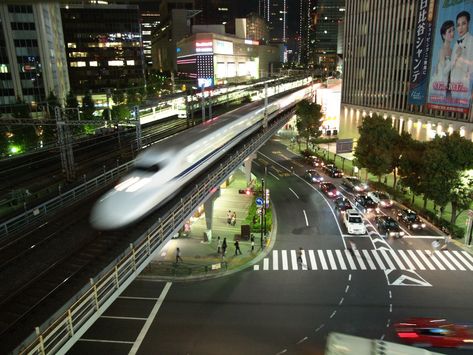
{"x":259,"y":202}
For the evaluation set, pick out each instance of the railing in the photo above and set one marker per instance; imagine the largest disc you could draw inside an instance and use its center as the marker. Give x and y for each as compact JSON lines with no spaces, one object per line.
{"x":60,"y":334}
{"x":173,"y":269}
{"x":67,"y":198}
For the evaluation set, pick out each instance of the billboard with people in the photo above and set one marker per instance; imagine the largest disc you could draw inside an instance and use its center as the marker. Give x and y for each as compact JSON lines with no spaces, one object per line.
{"x":451,"y":70}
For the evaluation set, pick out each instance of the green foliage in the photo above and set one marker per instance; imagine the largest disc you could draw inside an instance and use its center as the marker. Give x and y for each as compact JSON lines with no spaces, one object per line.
{"x":461,"y":195}
{"x":133,"y":97}
{"x":120,"y":113}
{"x":411,"y":166}
{"x":374,"y":150}
{"x":308,"y":122}
{"x":118,"y":97}
{"x":88,"y":107}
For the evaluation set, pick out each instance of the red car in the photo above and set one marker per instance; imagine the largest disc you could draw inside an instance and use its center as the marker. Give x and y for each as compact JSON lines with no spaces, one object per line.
{"x":329,"y":189}
{"x":435,"y":332}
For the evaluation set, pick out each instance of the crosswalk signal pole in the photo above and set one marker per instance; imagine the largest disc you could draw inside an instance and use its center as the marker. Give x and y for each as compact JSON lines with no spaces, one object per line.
{"x":263,"y":212}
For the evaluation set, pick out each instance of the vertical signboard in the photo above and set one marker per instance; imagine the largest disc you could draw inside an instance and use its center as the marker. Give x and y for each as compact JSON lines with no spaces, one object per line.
{"x":451,"y":72}
{"x":421,"y":53}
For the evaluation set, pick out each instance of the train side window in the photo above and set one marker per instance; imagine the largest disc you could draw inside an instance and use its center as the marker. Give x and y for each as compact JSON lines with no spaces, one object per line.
{"x":150,"y":168}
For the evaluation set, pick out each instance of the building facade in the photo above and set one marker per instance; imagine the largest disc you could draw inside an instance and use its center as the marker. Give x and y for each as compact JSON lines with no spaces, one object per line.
{"x":377,"y":71}
{"x":252,"y":27}
{"x":104,"y":46}
{"x":327,"y":17}
{"x":304,"y":47}
{"x":275,"y":14}
{"x":32,"y":55}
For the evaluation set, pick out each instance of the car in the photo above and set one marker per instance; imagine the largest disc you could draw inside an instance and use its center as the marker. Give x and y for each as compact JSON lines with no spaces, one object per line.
{"x":342,"y":204}
{"x":315,"y":161}
{"x":439,"y":333}
{"x":383,"y":199}
{"x":354,"y":222}
{"x":410,"y":219}
{"x":365,"y":204}
{"x":313,"y":176}
{"x":329,"y":189}
{"x":332,"y":171}
{"x":389,"y":226}
{"x":354,"y":184}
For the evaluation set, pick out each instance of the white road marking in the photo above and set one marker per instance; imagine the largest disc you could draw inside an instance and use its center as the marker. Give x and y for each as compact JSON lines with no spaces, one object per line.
{"x":444,"y":259}
{"x":304,"y":260}
{"x":390,"y":294}
{"x":124,"y":318}
{"x":347,"y":288}
{"x":265,"y":264}
{"x":313,"y":263}
{"x":467,"y":255}
{"x":306,"y":220}
{"x":275,"y":260}
{"x":105,"y":341}
{"x":322,"y":259}
{"x":350,"y":260}
{"x":397,"y":260}
{"x":284,"y":260}
{"x":410,"y":265}
{"x":360,"y":260}
{"x":343,"y":266}
{"x":459,"y":256}
{"x":418,"y":263}
{"x":349,"y":277}
{"x":341,"y":301}
{"x":274,"y":176}
{"x":256,"y":267}
{"x":378,"y":259}
{"x":425,"y":260}
{"x":319,"y":327}
{"x":302,"y":340}
{"x":434,"y":259}
{"x":294,"y":260}
{"x":369,"y":260}
{"x":333,"y":265}
{"x":333,"y":313}
{"x":294,"y":193}
{"x":150,"y":320}
{"x":455,"y":261}
{"x":138,"y":298}
{"x":387,"y":260}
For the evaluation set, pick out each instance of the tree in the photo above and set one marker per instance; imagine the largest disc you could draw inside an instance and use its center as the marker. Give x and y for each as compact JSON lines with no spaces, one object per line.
{"x":374,"y":150}
{"x":461,"y":195}
{"x":23,"y":136}
{"x":308,"y":122}
{"x":118,"y":97}
{"x":133,"y":97}
{"x":411,"y":167}
{"x":401,"y":146}
{"x":49,"y":131}
{"x":72,"y":105}
{"x":120,"y":113}
{"x":88,"y":107}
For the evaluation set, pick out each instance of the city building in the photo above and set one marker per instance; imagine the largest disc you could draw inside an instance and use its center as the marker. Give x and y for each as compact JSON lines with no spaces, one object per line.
{"x":327,"y":17}
{"x":252,"y":27}
{"x":103,"y":45}
{"x":214,"y":58}
{"x":304,"y":47}
{"x":391,"y":57}
{"x":32,"y":55}
{"x":275,"y":13}
{"x":221,"y":12}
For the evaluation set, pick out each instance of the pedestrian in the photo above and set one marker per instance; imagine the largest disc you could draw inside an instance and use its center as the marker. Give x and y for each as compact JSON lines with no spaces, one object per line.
{"x":299,"y":256}
{"x":224,"y":246}
{"x":435,"y":245}
{"x":229,"y":217}
{"x":446,"y":241}
{"x":237,"y":247}
{"x":219,"y":245}
{"x":252,"y":243}
{"x":178,"y":255}
{"x":233,"y":219}
{"x":351,"y":246}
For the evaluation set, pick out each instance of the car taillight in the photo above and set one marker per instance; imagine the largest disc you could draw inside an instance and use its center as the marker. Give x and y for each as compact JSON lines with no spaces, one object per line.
{"x":330,"y":193}
{"x":407,"y":335}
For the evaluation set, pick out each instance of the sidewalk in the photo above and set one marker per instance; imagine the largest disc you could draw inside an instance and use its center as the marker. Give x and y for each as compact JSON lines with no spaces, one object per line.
{"x":199,"y":257}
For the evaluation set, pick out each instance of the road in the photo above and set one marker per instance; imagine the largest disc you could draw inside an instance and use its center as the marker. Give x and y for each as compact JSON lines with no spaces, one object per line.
{"x":278,"y":306}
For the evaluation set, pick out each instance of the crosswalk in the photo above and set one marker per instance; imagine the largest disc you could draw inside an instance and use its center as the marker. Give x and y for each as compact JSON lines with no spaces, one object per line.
{"x":367,"y":260}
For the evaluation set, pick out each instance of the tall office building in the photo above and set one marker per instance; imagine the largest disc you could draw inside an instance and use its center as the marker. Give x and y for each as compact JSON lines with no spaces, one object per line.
{"x":328,"y":16}
{"x":32,"y":54}
{"x":275,"y":13}
{"x":304,"y":48}
{"x":252,"y":27}
{"x":217,"y":12}
{"x":104,"y":46}
{"x":390,"y":56}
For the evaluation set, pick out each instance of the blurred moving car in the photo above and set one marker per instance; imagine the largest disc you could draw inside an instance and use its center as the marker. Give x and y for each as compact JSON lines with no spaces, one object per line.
{"x":315,"y":161}
{"x":313,"y":176}
{"x":389,"y":227}
{"x":342,"y":204}
{"x":383,"y":199}
{"x":435,"y":332}
{"x":354,"y":222}
{"x":354,"y":184}
{"x":329,"y":189}
{"x":332,"y":171}
{"x":365,"y":203}
{"x":410,"y":219}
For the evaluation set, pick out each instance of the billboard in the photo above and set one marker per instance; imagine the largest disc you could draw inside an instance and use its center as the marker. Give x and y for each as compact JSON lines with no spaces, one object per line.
{"x":451,"y":71}
{"x":421,"y":54}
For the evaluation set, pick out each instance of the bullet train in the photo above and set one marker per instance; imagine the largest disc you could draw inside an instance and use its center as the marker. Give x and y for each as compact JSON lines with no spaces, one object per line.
{"x":164,"y":168}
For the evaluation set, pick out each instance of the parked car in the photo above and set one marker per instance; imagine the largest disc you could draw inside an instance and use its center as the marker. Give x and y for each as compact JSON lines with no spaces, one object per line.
{"x":313,"y":176}
{"x":389,"y":226}
{"x":354,"y":222}
{"x":332,"y":171}
{"x":342,"y":204}
{"x":365,"y":203}
{"x":410,"y":219}
{"x":435,"y":332}
{"x":329,"y":189}
{"x":354,"y":184}
{"x":315,"y":161}
{"x":383,"y":199}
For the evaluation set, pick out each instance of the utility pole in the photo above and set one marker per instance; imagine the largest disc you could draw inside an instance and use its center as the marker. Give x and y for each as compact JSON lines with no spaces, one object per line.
{"x":265,"y":120}
{"x":263,"y":213}
{"x":203,"y":103}
{"x":138,"y":128}
{"x":210,"y":103}
{"x":65,"y":146}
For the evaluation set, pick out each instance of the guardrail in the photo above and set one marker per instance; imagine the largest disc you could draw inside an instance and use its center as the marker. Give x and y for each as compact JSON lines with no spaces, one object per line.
{"x":60,"y":334}
{"x":67,"y":198}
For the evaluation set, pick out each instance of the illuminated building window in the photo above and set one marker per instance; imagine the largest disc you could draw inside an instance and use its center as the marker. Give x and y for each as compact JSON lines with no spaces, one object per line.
{"x":71,"y":45}
{"x":78,"y":64}
{"x":115,"y":63}
{"x":130,"y":62}
{"x":78,"y":54}
{"x":3,"y":68}
{"x":93,"y":64}
{"x":146,"y":33}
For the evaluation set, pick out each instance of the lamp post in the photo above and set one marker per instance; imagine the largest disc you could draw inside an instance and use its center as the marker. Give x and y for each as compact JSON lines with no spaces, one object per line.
{"x":263,"y":211}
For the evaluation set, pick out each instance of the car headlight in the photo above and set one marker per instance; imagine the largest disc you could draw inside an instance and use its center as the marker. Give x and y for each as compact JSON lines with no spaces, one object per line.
{"x":337,"y":193}
{"x":383,"y":203}
{"x":392,"y":234}
{"x":423,"y":225}
{"x":401,"y":233}
{"x":415,"y":225}
{"x":358,"y":188}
